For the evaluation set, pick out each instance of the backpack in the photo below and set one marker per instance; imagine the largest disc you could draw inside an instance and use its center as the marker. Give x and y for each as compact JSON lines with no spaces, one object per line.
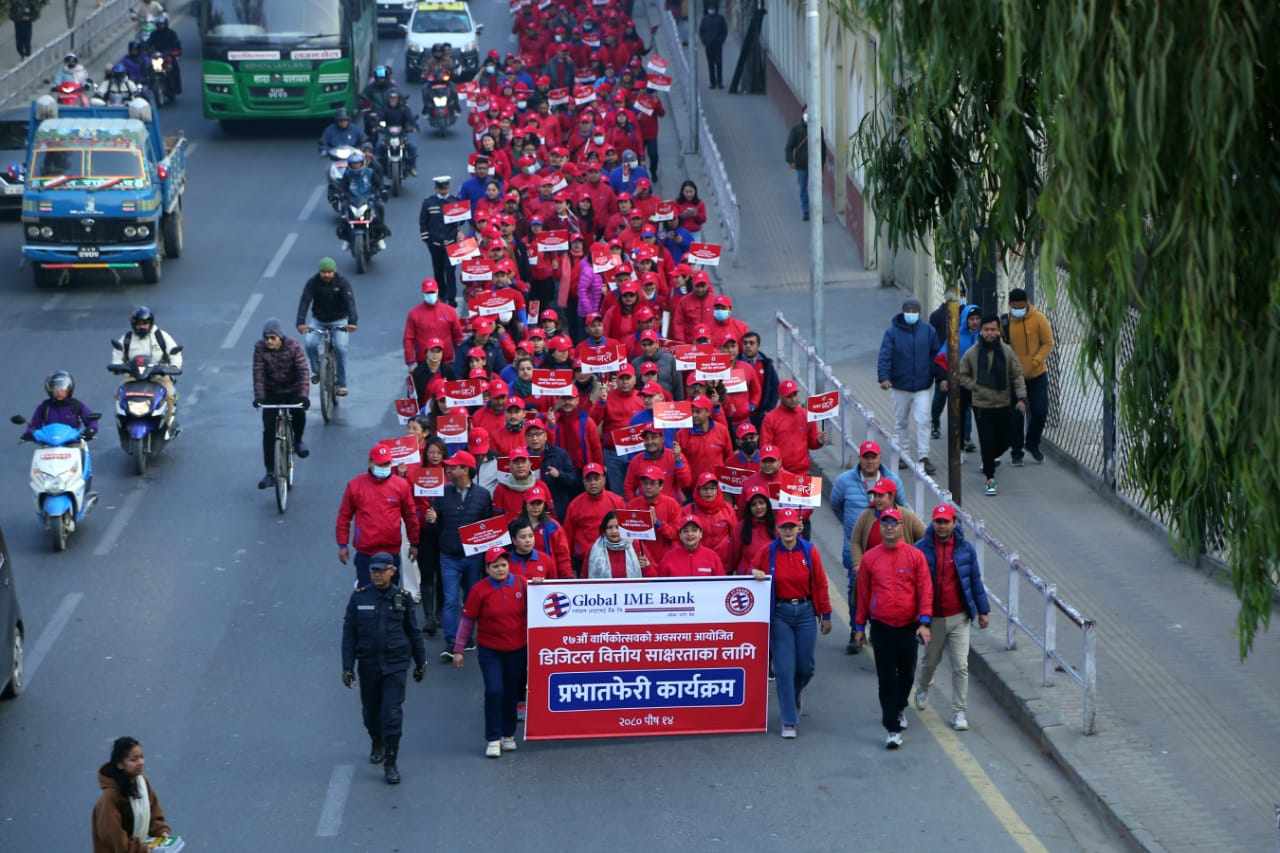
{"x":164,"y":345}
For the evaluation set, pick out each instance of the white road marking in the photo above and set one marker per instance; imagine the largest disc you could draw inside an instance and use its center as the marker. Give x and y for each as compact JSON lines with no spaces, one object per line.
{"x":237,"y":329}
{"x":50,"y":635}
{"x":335,"y":801}
{"x":194,"y":397}
{"x":53,"y":302}
{"x":310,"y":206}
{"x":121,"y":520}
{"x":281,"y":253}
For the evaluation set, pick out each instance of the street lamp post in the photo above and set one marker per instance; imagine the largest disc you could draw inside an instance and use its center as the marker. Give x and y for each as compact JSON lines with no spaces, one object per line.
{"x":816,"y":272}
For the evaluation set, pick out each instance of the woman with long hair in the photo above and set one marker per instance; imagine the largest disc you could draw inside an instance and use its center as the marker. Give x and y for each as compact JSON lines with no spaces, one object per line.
{"x":127,"y":812}
{"x":613,"y":555}
{"x":691,"y":211}
{"x":755,"y":530}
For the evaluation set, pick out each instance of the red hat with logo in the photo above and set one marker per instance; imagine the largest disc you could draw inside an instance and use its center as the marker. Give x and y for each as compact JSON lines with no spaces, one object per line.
{"x":690,"y":518}
{"x":706,"y":477}
{"x":891,"y":512}
{"x":722,"y":301}
{"x":868,"y":447}
{"x":652,"y":472}
{"x":380,"y":454}
{"x":787,"y":516}
{"x":770,"y":451}
{"x":520,"y":452}
{"x":435,"y":343}
{"x":702,"y":402}
{"x":534,"y":423}
{"x":651,"y":389}
{"x":787,"y":387}
{"x":649,"y":335}
{"x":592,"y":468}
{"x":538,"y":492}
{"x":514,"y":402}
{"x":461,"y":458}
{"x":498,"y":388}
{"x":483,"y":325}
{"x":944,"y":511}
{"x":648,"y":367}
{"x":493,"y":555}
{"x":746,"y":428}
{"x":701,"y":331}
{"x":429,"y":285}
{"x":884,"y":486}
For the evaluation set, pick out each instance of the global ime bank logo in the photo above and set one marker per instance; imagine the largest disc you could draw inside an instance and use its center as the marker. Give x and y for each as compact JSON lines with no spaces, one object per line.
{"x":556,"y":605}
{"x":739,"y":601}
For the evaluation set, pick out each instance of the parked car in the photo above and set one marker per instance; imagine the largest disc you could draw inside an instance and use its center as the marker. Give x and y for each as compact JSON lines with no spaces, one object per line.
{"x":13,"y":159}
{"x":11,"y":654}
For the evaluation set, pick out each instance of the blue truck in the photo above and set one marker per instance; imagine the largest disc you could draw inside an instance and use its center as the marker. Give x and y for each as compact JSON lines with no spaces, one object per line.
{"x":104,"y":191}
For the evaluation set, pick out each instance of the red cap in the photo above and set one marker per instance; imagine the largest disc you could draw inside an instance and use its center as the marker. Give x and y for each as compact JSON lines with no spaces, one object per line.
{"x":644,"y":314}
{"x":514,"y":402}
{"x":560,"y":343}
{"x":702,"y":402}
{"x":706,"y":477}
{"x":518,"y":453}
{"x":652,"y":472}
{"x":944,"y":511}
{"x":479,"y":373}
{"x":648,"y":367}
{"x":627,"y":370}
{"x":651,"y":389}
{"x":770,"y":451}
{"x":868,"y":446}
{"x":477,"y":352}
{"x":429,"y":285}
{"x":751,"y":492}
{"x":594,"y":317}
{"x":787,"y":516}
{"x":690,"y":518}
{"x":891,"y":512}
{"x":701,"y":331}
{"x":649,"y":335}
{"x":534,"y":423}
{"x":498,"y":388}
{"x":631,"y":286}
{"x":592,"y":468}
{"x":435,"y":343}
{"x":483,"y":325}
{"x":701,"y":277}
{"x":478,"y":440}
{"x":536,"y":333}
{"x":884,"y":486}
{"x":462,"y":458}
{"x":548,"y":314}
{"x":493,"y":555}
{"x":746,"y":428}
{"x":722,"y":301}
{"x":537,"y":492}
{"x":380,"y":454}
{"x":787,"y":387}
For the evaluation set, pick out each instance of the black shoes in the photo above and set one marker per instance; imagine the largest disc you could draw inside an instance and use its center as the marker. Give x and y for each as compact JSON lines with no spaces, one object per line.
{"x":301,"y":449}
{"x":929,"y":467}
{"x":268,"y":480}
{"x":851,"y":648}
{"x":1036,"y":454}
{"x":375,"y":751}
{"x":389,"y":770}
{"x":935,"y":433}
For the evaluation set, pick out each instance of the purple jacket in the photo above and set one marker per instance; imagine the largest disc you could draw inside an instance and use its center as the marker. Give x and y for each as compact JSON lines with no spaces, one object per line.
{"x":590,"y":289}
{"x":70,"y":411}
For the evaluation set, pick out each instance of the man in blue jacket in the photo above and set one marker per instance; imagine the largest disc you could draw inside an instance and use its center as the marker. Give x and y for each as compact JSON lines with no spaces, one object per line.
{"x":849,"y":497}
{"x":958,"y":597}
{"x":464,"y":502}
{"x":906,"y":366}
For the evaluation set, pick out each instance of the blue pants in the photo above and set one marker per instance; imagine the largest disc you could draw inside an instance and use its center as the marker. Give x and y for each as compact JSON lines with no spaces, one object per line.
{"x":341,"y":338}
{"x":802,"y":175}
{"x":615,"y":468}
{"x":362,"y":567}
{"x":793,"y":636}
{"x":458,"y":574}
{"x":504,"y":675}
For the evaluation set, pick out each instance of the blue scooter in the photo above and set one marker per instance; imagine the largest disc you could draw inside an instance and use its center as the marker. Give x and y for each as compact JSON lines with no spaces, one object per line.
{"x":142,"y":409}
{"x":61,"y":473}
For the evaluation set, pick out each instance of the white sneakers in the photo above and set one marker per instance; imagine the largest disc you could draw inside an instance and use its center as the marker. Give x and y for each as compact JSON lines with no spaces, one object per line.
{"x":493,"y":749}
{"x":508,"y":744}
{"x":788,"y":732}
{"x":893,"y":741}
{"x":959,"y":722}
{"x":902,"y":720}
{"x":922,"y":698}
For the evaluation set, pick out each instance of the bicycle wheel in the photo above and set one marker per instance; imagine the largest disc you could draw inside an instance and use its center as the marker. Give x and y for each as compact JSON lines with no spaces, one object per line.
{"x":327,"y":390}
{"x":284,"y":460}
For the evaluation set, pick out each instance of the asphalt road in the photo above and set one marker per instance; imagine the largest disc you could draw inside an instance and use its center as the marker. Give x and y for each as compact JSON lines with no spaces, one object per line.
{"x":189,"y":614}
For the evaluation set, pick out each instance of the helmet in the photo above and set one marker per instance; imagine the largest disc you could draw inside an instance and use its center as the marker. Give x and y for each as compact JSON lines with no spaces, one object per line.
{"x":382,"y":74}
{"x":161,"y":22}
{"x":60,"y":379}
{"x":341,"y":114}
{"x":142,"y":314}
{"x":71,"y":60}
{"x":394,"y":93}
{"x":134,"y":47}
{"x":437,"y":50}
{"x":118,"y":70}
{"x":356,"y":159}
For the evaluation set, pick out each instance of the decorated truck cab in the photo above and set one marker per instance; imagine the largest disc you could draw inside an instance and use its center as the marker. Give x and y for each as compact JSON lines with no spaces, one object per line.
{"x":104,"y":191}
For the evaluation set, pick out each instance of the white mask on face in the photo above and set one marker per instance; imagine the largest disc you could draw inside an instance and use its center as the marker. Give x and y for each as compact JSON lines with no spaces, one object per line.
{"x":1018,"y":312}
{"x":911,"y":317}
{"x":598,"y":139}
{"x":804,"y":116}
{"x":505,"y":317}
{"x":431,"y":298}
{"x":380,"y":472}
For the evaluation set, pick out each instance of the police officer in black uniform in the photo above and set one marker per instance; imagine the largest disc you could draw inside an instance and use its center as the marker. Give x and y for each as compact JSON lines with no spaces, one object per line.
{"x":436,"y":233}
{"x":381,"y":631}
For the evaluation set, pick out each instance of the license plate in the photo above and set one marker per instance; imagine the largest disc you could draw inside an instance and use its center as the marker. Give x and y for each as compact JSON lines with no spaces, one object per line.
{"x":276,"y":92}
{"x":13,"y":189}
{"x":88,"y":252}
{"x":387,"y":19}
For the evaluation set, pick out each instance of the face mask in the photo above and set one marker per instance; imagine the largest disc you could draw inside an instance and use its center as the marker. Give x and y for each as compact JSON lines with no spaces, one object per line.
{"x":1018,"y":312}
{"x":598,"y":139}
{"x":431,"y":298}
{"x":911,"y":317}
{"x":529,"y":170}
{"x":804,"y":117}
{"x":522,"y":104}
{"x":721,"y":314}
{"x":505,"y":316}
{"x":489,"y":69}
{"x":380,"y":473}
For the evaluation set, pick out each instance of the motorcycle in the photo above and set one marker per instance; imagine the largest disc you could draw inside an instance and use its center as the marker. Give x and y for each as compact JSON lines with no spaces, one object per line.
{"x":337,"y":168}
{"x":358,"y":225}
{"x":160,"y":69}
{"x":142,"y":409}
{"x":61,"y":471}
{"x":391,"y":152}
{"x":439,"y":107}
{"x":72,"y":94}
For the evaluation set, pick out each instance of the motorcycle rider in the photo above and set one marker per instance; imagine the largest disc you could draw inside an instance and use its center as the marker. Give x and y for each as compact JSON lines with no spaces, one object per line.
{"x":362,"y":181}
{"x":341,"y":133}
{"x":118,"y":83}
{"x":145,"y":338}
{"x":164,"y":40}
{"x":134,"y":62}
{"x":378,"y":89}
{"x":332,"y":302}
{"x":397,"y":112}
{"x":71,"y":71}
{"x":62,"y":407}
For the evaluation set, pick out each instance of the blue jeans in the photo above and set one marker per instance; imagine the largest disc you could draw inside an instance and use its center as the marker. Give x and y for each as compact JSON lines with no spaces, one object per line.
{"x":362,"y":567}
{"x":340,"y":340}
{"x":802,"y":175}
{"x":458,"y":574}
{"x":615,"y":468}
{"x":793,"y":636}
{"x":504,"y":675}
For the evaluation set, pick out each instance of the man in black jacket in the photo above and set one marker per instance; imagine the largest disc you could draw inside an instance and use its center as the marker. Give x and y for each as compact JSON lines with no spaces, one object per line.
{"x":330,"y":299}
{"x":797,"y":154}
{"x":768,"y":374}
{"x":556,"y":467}
{"x":436,"y":233}
{"x":712,"y":32}
{"x":464,"y":502}
{"x":483,"y":335}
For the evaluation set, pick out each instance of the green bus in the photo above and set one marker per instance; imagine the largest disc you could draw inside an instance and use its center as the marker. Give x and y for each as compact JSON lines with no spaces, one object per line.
{"x":270,"y":59}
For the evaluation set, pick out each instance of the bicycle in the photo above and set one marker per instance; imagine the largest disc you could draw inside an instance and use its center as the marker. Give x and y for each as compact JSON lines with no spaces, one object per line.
{"x":328,"y":381}
{"x":283,"y":469}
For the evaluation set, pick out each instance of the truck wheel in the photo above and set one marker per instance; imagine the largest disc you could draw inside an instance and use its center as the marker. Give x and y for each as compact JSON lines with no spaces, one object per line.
{"x":151,"y":269}
{"x":44,"y":277}
{"x":171,"y":228}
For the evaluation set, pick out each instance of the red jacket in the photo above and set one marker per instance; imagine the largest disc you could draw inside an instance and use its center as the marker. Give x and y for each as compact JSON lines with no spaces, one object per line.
{"x":688,"y":312}
{"x":719,"y":527}
{"x":378,"y":507}
{"x":793,"y":578}
{"x":676,"y":477}
{"x":691,"y":215}
{"x":616,"y":411}
{"x":680,"y":562}
{"x":576,"y":433}
{"x":487,"y":419}
{"x":731,"y":328}
{"x":503,"y":440}
{"x":648,"y":125}
{"x":536,"y":565}
{"x":667,"y":514}
{"x":790,"y":430}
{"x":619,"y":326}
{"x":508,"y":500}
{"x":582,"y":519}
{"x":705,"y":451}
{"x":894,"y":587}
{"x":747,"y":552}
{"x":550,"y":538}
{"x":430,"y":321}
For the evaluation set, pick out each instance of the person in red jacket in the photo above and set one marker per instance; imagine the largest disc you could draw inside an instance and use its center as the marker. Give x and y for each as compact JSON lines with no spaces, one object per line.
{"x":691,"y":211}
{"x":690,"y":558}
{"x":576,"y":433}
{"x":511,"y":435}
{"x":549,"y":535}
{"x":508,"y":495}
{"x":613,"y":411}
{"x":707,"y":445}
{"x":648,"y":110}
{"x":801,"y":605}
{"x":666,"y":513}
{"x":693,"y":309}
{"x":724,"y":325}
{"x":789,"y":429}
{"x":742,"y":389}
{"x":431,"y":319}
{"x":747,"y":456}
{"x":497,"y":608}
{"x":379,"y":504}
{"x":756,"y":529}
{"x":675,"y":470}
{"x":526,"y":560}
{"x":718,"y":518}
{"x":582,"y":519}
{"x":620,"y":321}
{"x":895,"y":591}
{"x":492,"y":416}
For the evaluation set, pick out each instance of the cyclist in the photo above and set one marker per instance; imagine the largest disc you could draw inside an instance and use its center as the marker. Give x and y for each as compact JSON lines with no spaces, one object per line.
{"x":332,"y":303}
{"x":146,"y":339}
{"x":280,"y":376}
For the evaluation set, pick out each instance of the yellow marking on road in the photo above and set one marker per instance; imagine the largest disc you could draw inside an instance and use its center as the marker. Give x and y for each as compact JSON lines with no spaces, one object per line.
{"x":958,"y":753}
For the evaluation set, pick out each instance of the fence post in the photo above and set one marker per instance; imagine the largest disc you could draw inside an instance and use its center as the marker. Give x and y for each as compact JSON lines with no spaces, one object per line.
{"x":1011,"y":628}
{"x":844,"y":426}
{"x":811,"y":372}
{"x":919,"y":495}
{"x":1090,"y":676}
{"x":1050,"y":634}
{"x":1109,"y":420}
{"x":778,"y":330}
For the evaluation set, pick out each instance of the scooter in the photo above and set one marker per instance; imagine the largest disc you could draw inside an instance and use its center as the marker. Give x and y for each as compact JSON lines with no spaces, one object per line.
{"x":359,"y":225}
{"x":72,"y":94}
{"x":392,"y":153}
{"x":142,"y":409}
{"x":337,"y":168}
{"x":438,"y":107}
{"x":61,"y":471}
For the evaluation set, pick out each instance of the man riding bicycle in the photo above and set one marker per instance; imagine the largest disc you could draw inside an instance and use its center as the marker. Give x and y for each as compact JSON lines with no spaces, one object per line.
{"x":332,"y":302}
{"x":280,"y":377}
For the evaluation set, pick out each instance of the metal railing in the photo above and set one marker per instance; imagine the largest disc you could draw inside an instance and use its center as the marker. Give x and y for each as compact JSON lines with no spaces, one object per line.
{"x":709,"y":151}
{"x":85,"y":37}
{"x":856,"y":422}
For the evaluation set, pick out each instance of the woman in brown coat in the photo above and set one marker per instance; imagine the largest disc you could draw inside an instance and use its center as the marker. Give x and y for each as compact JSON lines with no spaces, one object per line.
{"x":127,"y":812}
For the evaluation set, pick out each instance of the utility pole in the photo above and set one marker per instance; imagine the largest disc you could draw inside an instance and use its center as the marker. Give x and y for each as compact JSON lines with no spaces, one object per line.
{"x":954,"y":425}
{"x":816,"y":272}
{"x":694,"y":94}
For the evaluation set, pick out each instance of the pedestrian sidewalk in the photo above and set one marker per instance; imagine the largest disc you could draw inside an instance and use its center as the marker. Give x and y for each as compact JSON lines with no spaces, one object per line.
{"x":51,"y":24}
{"x":1188,"y":741}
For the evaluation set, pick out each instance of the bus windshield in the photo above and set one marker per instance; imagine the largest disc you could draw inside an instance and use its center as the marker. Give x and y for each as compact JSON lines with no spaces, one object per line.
{"x":316,"y":22}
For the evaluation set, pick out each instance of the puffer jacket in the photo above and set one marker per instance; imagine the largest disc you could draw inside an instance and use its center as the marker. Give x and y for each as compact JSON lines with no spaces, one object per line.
{"x":378,"y":507}
{"x":906,"y":355}
{"x":1031,"y":338}
{"x":848,"y":501}
{"x":970,"y":573}
{"x":280,"y":373}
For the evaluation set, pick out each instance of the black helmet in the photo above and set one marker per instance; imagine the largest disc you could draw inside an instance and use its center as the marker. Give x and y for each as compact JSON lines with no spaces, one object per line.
{"x":60,"y":379}
{"x":134,"y":47}
{"x":394,"y":93}
{"x":142,"y":314}
{"x":342,"y":115}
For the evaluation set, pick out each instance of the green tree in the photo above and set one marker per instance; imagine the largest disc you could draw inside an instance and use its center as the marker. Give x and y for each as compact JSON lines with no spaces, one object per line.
{"x":1135,"y":144}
